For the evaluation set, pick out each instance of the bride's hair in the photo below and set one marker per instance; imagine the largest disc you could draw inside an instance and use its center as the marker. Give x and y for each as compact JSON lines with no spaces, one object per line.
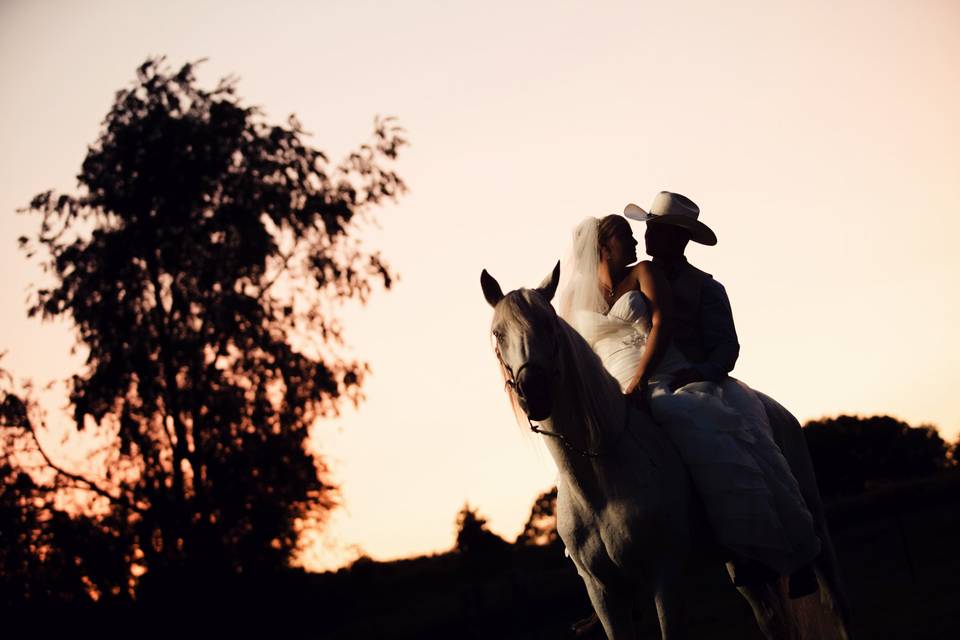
{"x":610,"y":226}
{"x":580,"y":288}
{"x":581,"y":302}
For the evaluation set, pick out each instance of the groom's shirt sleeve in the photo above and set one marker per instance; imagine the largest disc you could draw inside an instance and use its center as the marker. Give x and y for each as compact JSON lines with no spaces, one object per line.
{"x":719,"y":334}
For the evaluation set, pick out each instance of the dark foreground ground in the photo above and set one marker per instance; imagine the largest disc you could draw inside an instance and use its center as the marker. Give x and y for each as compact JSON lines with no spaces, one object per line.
{"x":898,"y":549}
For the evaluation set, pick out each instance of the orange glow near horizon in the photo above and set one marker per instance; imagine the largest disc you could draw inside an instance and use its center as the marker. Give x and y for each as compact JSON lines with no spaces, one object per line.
{"x":825,"y":156}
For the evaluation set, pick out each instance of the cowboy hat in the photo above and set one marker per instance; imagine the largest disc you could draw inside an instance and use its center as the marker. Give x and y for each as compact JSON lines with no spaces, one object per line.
{"x":675,"y":209}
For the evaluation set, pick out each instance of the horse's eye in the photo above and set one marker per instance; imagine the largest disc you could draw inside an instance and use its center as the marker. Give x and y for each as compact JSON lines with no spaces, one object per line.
{"x":498,"y":336}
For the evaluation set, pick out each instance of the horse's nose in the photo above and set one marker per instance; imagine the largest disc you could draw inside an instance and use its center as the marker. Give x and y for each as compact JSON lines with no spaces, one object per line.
{"x":534,"y":392}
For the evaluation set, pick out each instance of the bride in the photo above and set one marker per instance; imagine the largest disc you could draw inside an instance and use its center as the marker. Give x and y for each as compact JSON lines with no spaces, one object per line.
{"x":721,"y":430}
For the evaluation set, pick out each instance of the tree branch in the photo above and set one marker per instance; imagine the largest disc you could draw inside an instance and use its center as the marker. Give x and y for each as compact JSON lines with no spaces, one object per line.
{"x":120,"y":500}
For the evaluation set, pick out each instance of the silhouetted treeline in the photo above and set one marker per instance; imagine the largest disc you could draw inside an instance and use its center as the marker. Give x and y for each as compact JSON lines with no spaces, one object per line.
{"x":853,"y":453}
{"x":198,"y":261}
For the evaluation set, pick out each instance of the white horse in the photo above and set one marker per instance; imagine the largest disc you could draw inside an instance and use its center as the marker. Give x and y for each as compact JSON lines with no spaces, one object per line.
{"x":624,"y":499}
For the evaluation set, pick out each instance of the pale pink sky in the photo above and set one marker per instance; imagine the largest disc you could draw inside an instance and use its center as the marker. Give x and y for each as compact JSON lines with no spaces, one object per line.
{"x":819,"y":139}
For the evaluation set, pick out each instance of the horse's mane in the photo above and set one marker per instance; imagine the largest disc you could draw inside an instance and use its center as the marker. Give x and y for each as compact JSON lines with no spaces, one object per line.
{"x":598,"y":399}
{"x":596,"y":393}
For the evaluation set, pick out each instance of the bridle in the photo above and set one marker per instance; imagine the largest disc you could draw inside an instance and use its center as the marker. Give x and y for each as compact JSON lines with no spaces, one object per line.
{"x":512,"y":379}
{"x":512,"y":382}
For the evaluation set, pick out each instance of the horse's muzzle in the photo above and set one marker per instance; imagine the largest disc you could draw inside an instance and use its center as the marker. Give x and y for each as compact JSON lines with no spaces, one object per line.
{"x":534,"y":393}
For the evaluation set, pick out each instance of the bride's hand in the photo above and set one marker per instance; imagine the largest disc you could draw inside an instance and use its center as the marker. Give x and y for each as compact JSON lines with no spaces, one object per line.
{"x":636,"y":393}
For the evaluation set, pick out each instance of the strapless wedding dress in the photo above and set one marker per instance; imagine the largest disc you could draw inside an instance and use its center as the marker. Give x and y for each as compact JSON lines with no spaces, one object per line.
{"x":722,"y":433}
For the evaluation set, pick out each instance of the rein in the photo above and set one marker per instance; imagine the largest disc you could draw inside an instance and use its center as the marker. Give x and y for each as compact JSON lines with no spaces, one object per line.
{"x":515,"y":386}
{"x":586,"y":453}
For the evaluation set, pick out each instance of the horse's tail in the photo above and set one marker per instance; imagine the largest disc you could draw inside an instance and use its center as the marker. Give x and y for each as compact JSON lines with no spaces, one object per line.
{"x":789,"y":436}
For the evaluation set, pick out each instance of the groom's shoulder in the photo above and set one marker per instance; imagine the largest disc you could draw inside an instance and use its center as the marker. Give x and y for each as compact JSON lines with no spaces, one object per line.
{"x":711,"y":288}
{"x":705,"y":282}
{"x":699,"y":273}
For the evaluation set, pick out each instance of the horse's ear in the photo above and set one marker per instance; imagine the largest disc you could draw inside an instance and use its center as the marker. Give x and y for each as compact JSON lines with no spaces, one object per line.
{"x":491,"y":288}
{"x":549,"y":285}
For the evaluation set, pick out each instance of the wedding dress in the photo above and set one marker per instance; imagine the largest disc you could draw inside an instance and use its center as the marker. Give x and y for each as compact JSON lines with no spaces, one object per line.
{"x":721,"y":430}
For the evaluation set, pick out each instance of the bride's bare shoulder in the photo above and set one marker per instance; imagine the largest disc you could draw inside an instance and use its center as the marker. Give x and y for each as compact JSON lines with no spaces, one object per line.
{"x":646,"y":268}
{"x":649,"y":272}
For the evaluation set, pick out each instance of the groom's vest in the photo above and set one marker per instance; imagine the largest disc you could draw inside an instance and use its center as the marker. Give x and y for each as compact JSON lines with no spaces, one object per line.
{"x":687,"y":285}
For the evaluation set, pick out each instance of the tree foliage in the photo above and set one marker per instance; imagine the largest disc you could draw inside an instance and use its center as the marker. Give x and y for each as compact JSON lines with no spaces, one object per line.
{"x":851,"y":453}
{"x":200,"y":262}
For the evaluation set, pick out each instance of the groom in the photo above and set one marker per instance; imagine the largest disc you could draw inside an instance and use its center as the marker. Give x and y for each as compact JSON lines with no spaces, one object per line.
{"x":703,"y":330}
{"x":702,"y":320}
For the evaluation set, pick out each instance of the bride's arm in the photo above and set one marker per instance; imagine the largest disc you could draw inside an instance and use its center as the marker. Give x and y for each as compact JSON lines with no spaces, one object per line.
{"x":654,"y":286}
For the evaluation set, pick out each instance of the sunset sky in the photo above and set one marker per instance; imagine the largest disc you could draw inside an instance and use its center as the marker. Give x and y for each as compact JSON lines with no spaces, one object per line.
{"x":820,"y":139}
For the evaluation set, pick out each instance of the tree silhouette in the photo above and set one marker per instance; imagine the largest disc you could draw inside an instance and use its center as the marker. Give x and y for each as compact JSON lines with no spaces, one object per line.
{"x":200,"y":263}
{"x":541,"y":527}
{"x":850,"y":452}
{"x":481,"y":549}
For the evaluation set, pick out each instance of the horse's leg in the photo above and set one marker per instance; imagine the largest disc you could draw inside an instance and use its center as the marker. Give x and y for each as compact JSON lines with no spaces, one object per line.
{"x":832,"y":596}
{"x":613,"y":608}
{"x":832,"y":591}
{"x":770,"y":608}
{"x":668,"y":596}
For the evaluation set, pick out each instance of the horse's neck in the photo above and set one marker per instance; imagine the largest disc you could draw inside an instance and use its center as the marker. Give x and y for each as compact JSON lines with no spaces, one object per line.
{"x":589,"y":411}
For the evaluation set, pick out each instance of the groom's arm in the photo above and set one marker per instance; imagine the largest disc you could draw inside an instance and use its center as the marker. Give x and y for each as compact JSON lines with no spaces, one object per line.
{"x":719,"y":334}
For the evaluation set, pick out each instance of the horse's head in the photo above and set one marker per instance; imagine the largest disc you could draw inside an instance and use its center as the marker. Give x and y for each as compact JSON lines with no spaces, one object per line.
{"x":527,"y":341}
